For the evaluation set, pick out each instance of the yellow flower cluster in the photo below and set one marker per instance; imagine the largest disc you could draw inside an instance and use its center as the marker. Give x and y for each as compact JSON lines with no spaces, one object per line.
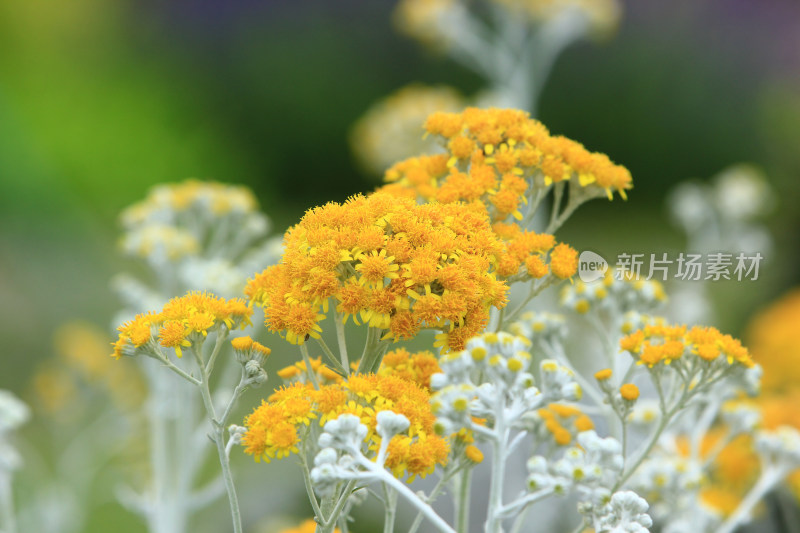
{"x":398,"y":266}
{"x":308,"y":526}
{"x":390,"y":130}
{"x":603,"y":15}
{"x":424,"y":20}
{"x":733,"y":471}
{"x":415,"y":367}
{"x":496,"y":156}
{"x":298,"y":372}
{"x":773,"y":339}
{"x":525,"y":254}
{"x":563,"y":422}
{"x":657,"y":344}
{"x":274,"y":428}
{"x":180,"y":321}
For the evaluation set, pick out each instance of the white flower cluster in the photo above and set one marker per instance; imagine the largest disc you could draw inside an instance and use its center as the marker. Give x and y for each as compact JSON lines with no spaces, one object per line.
{"x":13,"y":413}
{"x":723,"y":215}
{"x":617,"y":293}
{"x":591,"y":468}
{"x":541,"y":328}
{"x":671,"y":483}
{"x":779,"y":448}
{"x":209,"y":235}
{"x":625,"y":513}
{"x":494,"y":377}
{"x":341,"y":457}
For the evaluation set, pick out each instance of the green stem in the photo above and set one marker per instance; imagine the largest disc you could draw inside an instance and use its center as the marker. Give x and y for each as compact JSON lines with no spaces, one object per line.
{"x":219,"y":439}
{"x":233,"y":500}
{"x":535,"y":290}
{"x":341,"y":503}
{"x":7,"y":502}
{"x":334,"y":361}
{"x":342,"y":340}
{"x":494,"y":521}
{"x":390,"y":509}
{"x":463,"y":503}
{"x":309,"y":371}
{"x":500,"y":316}
{"x":307,"y":481}
{"x":371,"y":357}
{"x":169,"y":364}
{"x":440,"y":485}
{"x":558,"y":193}
{"x":407,"y":493}
{"x":665,"y":419}
{"x":221,"y":336}
{"x":572,"y":205}
{"x":328,"y":504}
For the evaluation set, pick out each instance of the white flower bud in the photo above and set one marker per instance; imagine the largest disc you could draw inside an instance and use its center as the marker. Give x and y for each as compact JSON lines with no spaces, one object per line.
{"x":390,"y":424}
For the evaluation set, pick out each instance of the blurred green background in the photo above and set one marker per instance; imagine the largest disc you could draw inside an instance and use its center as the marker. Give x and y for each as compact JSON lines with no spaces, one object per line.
{"x":101,"y":99}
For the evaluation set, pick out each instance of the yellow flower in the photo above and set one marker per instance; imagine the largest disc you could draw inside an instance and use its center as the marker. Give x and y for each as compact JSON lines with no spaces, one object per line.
{"x":773,"y":339}
{"x":395,"y":265}
{"x":274,"y":428}
{"x":658,"y":344}
{"x":496,"y":156}
{"x":179,"y":321}
{"x":602,"y":375}
{"x":417,"y":368}
{"x":564,"y":261}
{"x":308,"y":526}
{"x":473,"y":454}
{"x":563,"y":422}
{"x":629,"y":392}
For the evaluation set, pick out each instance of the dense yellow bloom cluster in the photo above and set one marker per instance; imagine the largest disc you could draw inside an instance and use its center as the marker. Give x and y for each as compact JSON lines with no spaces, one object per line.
{"x":658,"y":344}
{"x":181,"y":320}
{"x":733,"y":471}
{"x":415,"y":367}
{"x":390,"y":130}
{"x":773,"y":339}
{"x":496,"y":156}
{"x":298,"y":372}
{"x":603,"y":15}
{"x":563,"y":422}
{"x":528,"y":254}
{"x":274,"y":428}
{"x":308,"y":526}
{"x":398,"y":266}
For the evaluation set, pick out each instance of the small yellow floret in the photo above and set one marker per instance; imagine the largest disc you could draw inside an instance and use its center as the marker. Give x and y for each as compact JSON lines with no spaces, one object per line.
{"x":602,"y":375}
{"x":629,"y":391}
{"x":473,"y":454}
{"x":242,"y":343}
